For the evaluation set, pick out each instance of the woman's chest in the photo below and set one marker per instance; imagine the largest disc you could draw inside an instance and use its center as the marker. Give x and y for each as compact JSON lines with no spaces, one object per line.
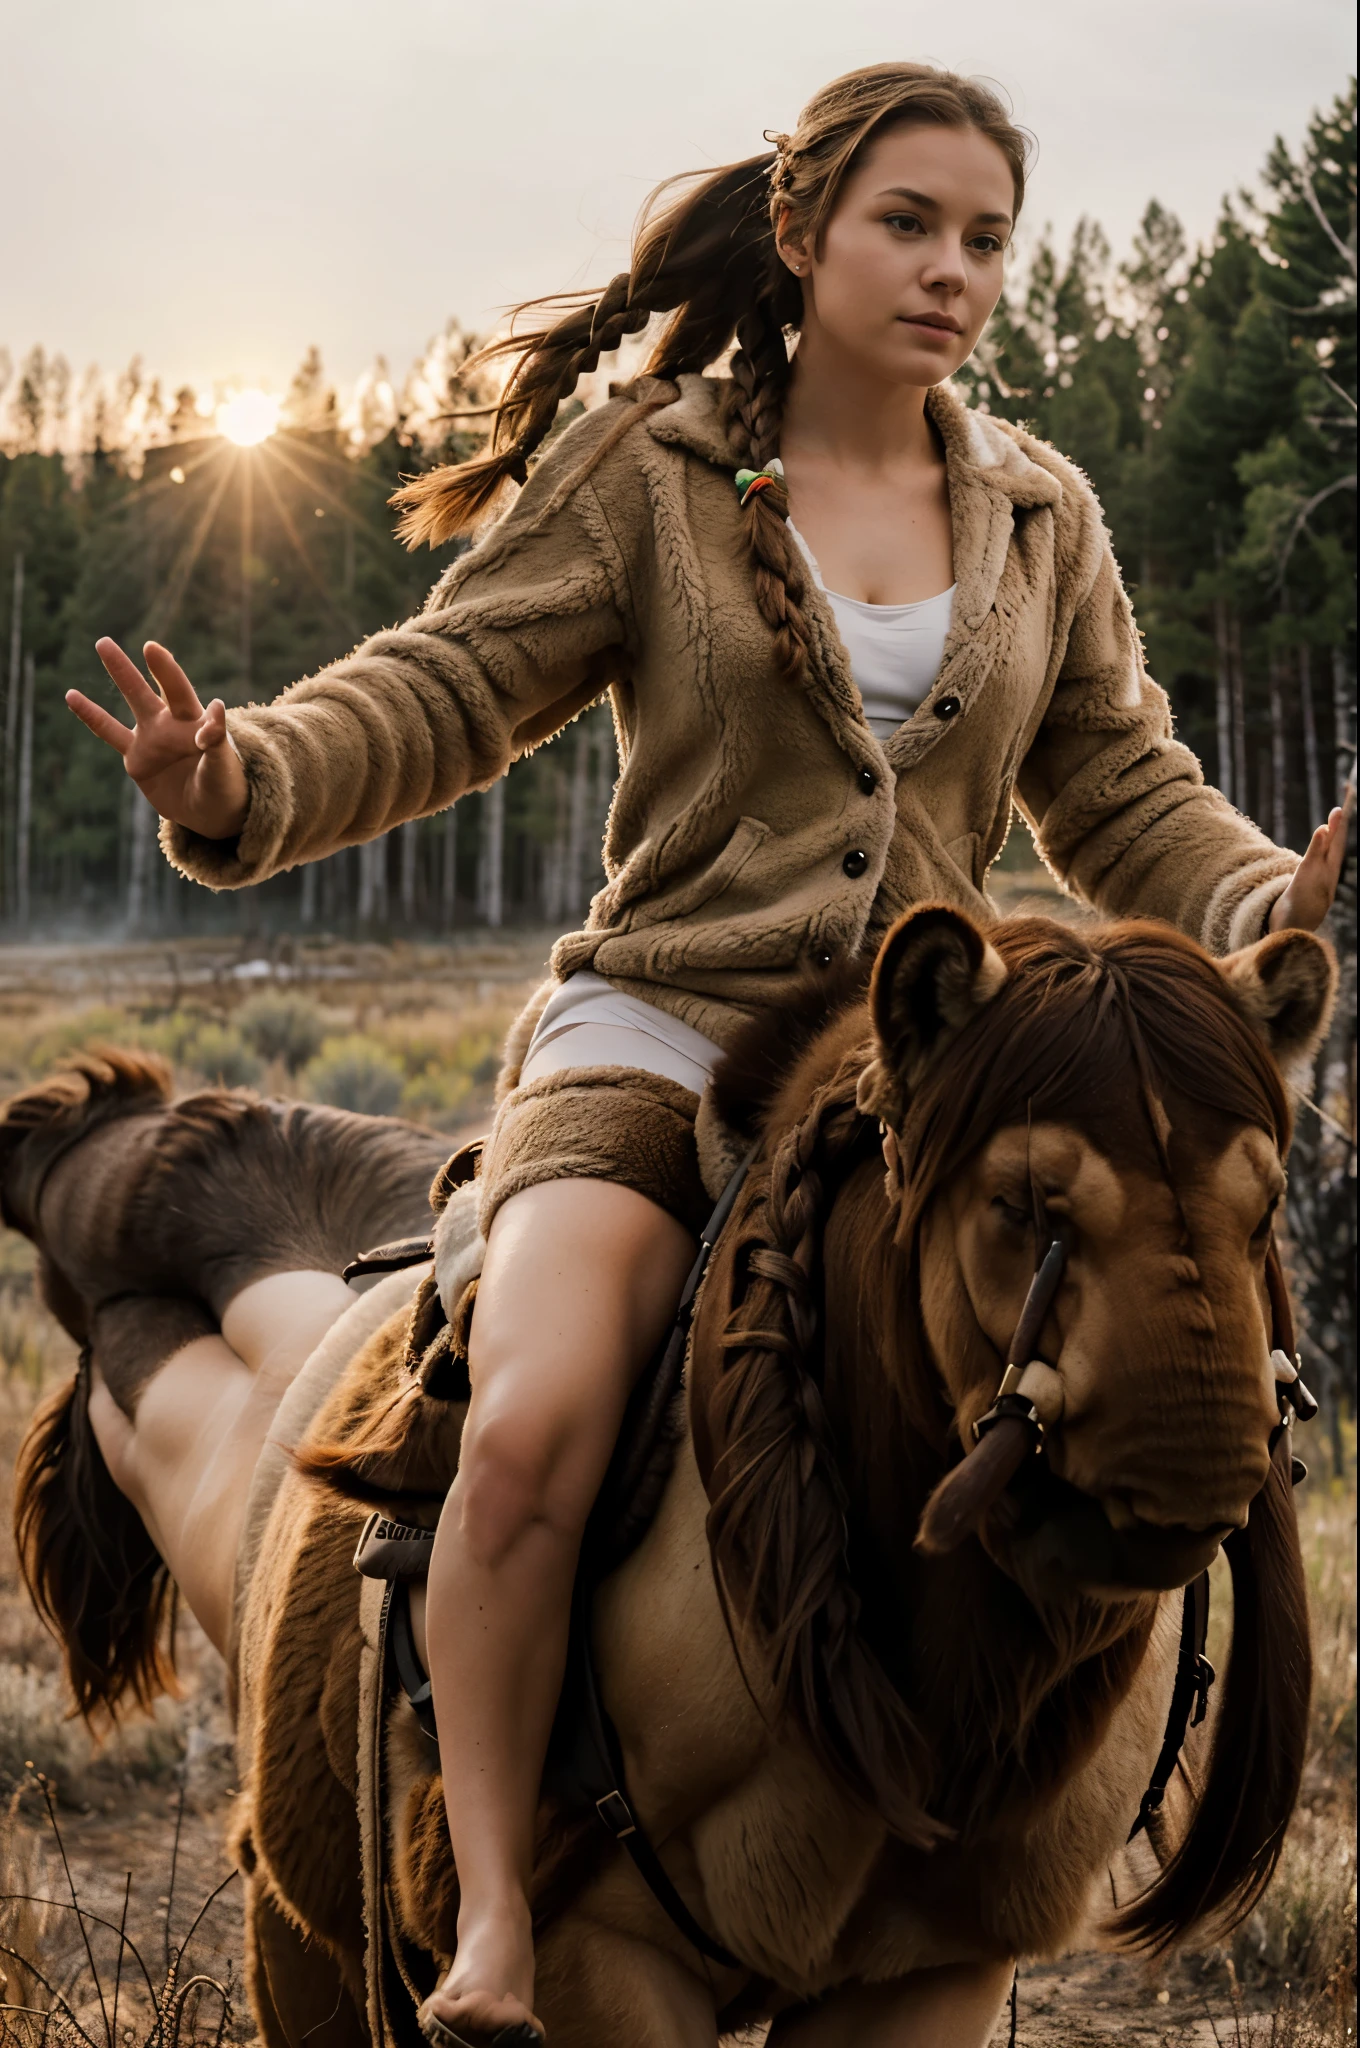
{"x":887,"y":542}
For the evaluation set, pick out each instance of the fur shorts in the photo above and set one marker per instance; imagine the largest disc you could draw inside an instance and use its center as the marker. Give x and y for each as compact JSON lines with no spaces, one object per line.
{"x":598,"y":1123}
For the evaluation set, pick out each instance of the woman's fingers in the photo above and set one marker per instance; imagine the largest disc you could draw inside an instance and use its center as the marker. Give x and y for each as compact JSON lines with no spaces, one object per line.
{"x":212,"y":727}
{"x":178,"y":691}
{"x":128,"y":680}
{"x":101,"y":723}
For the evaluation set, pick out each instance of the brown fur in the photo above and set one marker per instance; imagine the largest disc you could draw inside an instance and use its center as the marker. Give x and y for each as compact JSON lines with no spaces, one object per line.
{"x":1000,"y":1726}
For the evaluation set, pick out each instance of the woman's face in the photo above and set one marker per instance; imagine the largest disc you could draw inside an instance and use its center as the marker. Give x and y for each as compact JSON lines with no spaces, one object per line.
{"x":910,"y":266}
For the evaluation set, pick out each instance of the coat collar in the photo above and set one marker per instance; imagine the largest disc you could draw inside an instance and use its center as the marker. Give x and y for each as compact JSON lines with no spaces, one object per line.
{"x":990,"y":477}
{"x":979,"y":450}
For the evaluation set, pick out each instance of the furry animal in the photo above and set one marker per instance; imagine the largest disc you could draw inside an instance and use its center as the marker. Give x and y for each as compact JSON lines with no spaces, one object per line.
{"x":857,"y":1759}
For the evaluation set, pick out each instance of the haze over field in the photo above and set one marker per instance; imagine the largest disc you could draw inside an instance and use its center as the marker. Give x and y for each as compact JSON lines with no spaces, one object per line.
{"x":215,"y":188}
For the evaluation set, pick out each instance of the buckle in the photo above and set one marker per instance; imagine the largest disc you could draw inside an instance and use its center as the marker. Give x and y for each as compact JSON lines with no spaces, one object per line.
{"x":1204,"y":1678}
{"x":1008,"y":1408}
{"x":617,"y":1815}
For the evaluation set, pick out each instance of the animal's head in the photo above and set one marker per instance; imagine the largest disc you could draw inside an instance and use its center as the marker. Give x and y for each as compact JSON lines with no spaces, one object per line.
{"x":1121,"y":1088}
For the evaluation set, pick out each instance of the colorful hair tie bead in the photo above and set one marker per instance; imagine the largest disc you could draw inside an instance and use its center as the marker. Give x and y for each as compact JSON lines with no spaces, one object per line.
{"x":752,"y":481}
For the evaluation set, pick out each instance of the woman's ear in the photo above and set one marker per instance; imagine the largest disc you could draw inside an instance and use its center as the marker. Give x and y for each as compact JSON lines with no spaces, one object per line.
{"x":791,"y":249}
{"x":933,"y":974}
{"x":1284,"y":986}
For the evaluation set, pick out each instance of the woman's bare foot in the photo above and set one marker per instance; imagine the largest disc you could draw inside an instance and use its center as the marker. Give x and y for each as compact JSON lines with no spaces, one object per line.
{"x":491,"y":1984}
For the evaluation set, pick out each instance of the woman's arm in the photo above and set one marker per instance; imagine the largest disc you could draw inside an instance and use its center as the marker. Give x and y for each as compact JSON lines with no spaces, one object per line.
{"x":1119,"y":807}
{"x":516,"y":639}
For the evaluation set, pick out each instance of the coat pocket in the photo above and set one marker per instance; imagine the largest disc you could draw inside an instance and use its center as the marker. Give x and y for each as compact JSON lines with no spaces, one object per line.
{"x":698,"y":888}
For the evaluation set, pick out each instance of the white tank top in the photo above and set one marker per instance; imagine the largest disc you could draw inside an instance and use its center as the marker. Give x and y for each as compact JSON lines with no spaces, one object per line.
{"x":895,"y":650}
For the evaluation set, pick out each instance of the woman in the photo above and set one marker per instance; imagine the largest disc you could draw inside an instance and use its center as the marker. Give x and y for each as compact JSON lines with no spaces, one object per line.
{"x":845,"y":624}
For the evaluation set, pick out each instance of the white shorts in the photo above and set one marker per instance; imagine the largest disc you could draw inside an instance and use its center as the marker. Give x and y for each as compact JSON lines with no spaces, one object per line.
{"x":589,"y":1023}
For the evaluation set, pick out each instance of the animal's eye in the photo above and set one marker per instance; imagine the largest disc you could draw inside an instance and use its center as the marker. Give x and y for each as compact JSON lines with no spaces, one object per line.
{"x":1262,"y":1230}
{"x":1018,"y":1218}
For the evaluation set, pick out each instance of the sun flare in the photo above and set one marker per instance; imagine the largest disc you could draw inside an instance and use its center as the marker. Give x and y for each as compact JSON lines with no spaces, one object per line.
{"x":248,"y":417}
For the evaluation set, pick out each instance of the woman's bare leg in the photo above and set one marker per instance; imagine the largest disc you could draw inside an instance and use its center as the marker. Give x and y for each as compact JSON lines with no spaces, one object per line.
{"x":954,"y":2007}
{"x":186,"y":1458}
{"x":581,"y":1278}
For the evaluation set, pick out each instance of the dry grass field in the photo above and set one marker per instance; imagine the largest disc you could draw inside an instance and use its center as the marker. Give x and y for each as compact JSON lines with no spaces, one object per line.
{"x":137,"y":1820}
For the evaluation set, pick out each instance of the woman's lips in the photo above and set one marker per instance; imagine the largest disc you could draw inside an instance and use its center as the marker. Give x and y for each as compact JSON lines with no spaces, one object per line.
{"x":930,"y":327}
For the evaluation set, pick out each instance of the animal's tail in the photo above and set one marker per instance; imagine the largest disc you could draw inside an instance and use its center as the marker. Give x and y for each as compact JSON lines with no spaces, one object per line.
{"x":92,"y":1571}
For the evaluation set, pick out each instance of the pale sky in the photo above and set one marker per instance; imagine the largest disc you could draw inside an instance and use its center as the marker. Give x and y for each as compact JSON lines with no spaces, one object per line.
{"x":216,"y":186}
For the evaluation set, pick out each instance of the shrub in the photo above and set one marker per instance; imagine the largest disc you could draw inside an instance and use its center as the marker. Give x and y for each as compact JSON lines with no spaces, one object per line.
{"x":281,"y":1027}
{"x":437,"y":1097}
{"x":220,"y":1055}
{"x":354,"y":1072}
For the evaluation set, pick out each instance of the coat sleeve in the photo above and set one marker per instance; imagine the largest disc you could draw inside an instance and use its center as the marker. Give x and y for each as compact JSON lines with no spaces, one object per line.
{"x":516,"y":639}
{"x":1119,"y":806}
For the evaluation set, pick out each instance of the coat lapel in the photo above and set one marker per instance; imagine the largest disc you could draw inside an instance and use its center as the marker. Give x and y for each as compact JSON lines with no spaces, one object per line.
{"x":990,"y":478}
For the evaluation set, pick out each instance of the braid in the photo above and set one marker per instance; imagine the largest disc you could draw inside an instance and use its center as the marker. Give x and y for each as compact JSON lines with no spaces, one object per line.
{"x":777,"y":1521}
{"x":760,"y":382}
{"x":442,"y":503}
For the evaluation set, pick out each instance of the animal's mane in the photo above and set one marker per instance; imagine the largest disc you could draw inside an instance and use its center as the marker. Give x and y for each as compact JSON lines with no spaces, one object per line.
{"x":1096,"y":1025}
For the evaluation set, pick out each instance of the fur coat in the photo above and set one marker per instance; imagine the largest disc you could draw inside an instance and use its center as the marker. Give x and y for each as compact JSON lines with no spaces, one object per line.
{"x":758,"y":827}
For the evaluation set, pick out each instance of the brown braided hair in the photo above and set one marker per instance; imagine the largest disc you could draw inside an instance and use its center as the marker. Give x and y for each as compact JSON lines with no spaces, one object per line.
{"x":704,"y":253}
{"x":777,"y":1522}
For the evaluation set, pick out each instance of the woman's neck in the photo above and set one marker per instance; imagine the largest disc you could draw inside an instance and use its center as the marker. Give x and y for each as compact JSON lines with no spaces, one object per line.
{"x":837,"y":412}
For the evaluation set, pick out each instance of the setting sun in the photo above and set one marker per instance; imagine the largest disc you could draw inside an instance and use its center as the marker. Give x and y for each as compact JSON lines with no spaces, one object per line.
{"x":248,"y":417}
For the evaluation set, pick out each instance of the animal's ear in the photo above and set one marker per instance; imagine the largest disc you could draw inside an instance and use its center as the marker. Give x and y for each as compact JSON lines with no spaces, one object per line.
{"x":934,"y":973}
{"x":1284,"y":986}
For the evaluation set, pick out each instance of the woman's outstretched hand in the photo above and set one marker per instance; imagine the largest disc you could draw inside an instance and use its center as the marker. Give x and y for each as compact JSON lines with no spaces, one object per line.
{"x":178,"y":754}
{"x":1309,"y":896}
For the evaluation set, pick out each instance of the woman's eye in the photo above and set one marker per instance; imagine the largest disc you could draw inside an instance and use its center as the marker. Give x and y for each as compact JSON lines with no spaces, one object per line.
{"x":987,"y":245}
{"x":909,"y":223}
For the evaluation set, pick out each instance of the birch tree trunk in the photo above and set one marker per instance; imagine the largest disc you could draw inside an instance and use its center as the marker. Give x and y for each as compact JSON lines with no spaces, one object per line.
{"x":1312,"y":769}
{"x":1223,"y":699}
{"x":1279,"y":758}
{"x":307,"y":909}
{"x":578,"y":824}
{"x":410,"y":853}
{"x":491,"y":856}
{"x":448,"y":869}
{"x":16,"y":643}
{"x":1241,"y":789}
{"x":141,"y":838}
{"x":372,"y":881}
{"x":1343,"y":718}
{"x":555,"y":865}
{"x":23,"y":824}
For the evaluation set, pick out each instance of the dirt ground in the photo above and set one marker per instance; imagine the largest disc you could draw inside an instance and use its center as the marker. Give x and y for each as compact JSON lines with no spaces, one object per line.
{"x":149,"y":1816}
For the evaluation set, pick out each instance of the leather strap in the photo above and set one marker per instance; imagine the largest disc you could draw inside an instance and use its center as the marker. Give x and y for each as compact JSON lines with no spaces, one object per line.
{"x":390,"y":1258}
{"x":1189,"y":1697}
